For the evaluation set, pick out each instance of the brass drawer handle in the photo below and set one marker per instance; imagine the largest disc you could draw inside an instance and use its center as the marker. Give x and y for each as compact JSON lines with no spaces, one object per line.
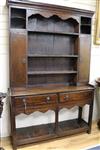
{"x":66,"y":97}
{"x":24,"y":61}
{"x":25,"y":104}
{"x":48,"y":98}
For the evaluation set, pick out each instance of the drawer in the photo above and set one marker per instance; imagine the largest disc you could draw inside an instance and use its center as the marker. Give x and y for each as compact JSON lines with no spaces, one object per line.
{"x":76,"y":96}
{"x":30,"y":101}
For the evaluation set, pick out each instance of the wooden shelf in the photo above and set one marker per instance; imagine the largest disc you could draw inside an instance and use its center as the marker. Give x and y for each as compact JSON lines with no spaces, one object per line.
{"x":18,"y":17}
{"x":51,"y":32}
{"x":85,"y":20}
{"x":50,"y":72}
{"x":46,"y":42}
{"x":34,"y":133}
{"x":70,"y":126}
{"x":18,"y":91}
{"x":85,"y":24}
{"x":69,"y":56}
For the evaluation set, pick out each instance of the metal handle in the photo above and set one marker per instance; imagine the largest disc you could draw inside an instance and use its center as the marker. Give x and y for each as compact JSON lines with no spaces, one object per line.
{"x":48,"y":98}
{"x":24,"y":60}
{"x":25,"y":103}
{"x":66,"y":97}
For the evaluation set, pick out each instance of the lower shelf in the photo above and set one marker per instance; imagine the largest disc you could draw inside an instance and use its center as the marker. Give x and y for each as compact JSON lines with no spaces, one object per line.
{"x":71,"y":127}
{"x":35,"y":133}
{"x":47,"y":131}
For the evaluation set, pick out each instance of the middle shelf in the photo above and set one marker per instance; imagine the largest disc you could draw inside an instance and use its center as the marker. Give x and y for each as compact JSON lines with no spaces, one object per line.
{"x":67,"y":56}
{"x":52,"y":44}
{"x":45,"y":69}
{"x":51,"y":72}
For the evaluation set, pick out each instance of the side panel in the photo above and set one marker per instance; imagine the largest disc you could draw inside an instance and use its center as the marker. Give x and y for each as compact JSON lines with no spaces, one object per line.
{"x":18,"y":57}
{"x":84,"y":61}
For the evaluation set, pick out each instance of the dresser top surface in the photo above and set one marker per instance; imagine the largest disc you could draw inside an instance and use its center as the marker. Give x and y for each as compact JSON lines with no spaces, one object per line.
{"x":47,"y":90}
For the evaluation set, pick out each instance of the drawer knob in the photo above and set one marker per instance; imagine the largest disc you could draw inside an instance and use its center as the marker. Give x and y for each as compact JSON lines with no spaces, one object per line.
{"x":48,"y":98}
{"x":23,"y":61}
{"x":25,"y":103}
{"x":66,"y":97}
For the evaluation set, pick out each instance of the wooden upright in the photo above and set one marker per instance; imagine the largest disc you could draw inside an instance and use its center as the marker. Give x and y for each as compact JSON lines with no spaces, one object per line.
{"x":49,"y":67}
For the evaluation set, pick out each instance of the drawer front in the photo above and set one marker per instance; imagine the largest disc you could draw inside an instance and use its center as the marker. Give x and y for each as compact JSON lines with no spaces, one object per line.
{"x":76,"y":96}
{"x":31,"y":101}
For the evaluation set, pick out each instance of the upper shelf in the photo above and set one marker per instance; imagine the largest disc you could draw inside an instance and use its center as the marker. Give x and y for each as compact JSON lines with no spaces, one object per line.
{"x":39,"y":22}
{"x":18,"y":18}
{"x":69,"y":56}
{"x":55,"y":32}
{"x":54,"y":23}
{"x":85,"y":25}
{"x":51,"y":72}
{"x":85,"y":20}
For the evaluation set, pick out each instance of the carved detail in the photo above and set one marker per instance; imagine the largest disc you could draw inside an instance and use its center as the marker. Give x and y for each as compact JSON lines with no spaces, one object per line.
{"x":30,"y":111}
{"x":57,"y":16}
{"x":73,"y":105}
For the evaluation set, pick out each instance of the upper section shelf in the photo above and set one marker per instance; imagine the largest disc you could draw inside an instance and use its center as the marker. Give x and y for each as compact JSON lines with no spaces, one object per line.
{"x":52,"y":44}
{"x":18,"y":18}
{"x":86,"y":20}
{"x":85,"y":25}
{"x":51,"y":23}
{"x":51,"y":72}
{"x":55,"y":32}
{"x":69,"y":56}
{"x":46,"y":43}
{"x":54,"y":23}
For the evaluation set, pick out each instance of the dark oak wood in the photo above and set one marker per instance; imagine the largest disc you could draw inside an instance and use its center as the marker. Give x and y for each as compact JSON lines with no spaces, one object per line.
{"x":28,"y":104}
{"x":49,"y":65}
{"x":18,"y":55}
{"x":13,"y":126}
{"x":79,"y":114}
{"x":36,"y":132}
{"x":48,"y":89}
{"x":90,"y":116}
{"x":48,"y":7}
{"x":84,"y":59}
{"x":76,"y":96}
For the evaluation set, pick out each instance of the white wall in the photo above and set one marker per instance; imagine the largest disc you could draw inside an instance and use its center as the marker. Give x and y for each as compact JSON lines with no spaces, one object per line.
{"x":38,"y":117}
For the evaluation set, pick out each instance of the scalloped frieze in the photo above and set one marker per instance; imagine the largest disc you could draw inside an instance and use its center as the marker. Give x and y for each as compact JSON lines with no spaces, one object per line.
{"x":47,"y":14}
{"x":45,"y":109}
{"x":32,"y":110}
{"x":69,"y":106}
